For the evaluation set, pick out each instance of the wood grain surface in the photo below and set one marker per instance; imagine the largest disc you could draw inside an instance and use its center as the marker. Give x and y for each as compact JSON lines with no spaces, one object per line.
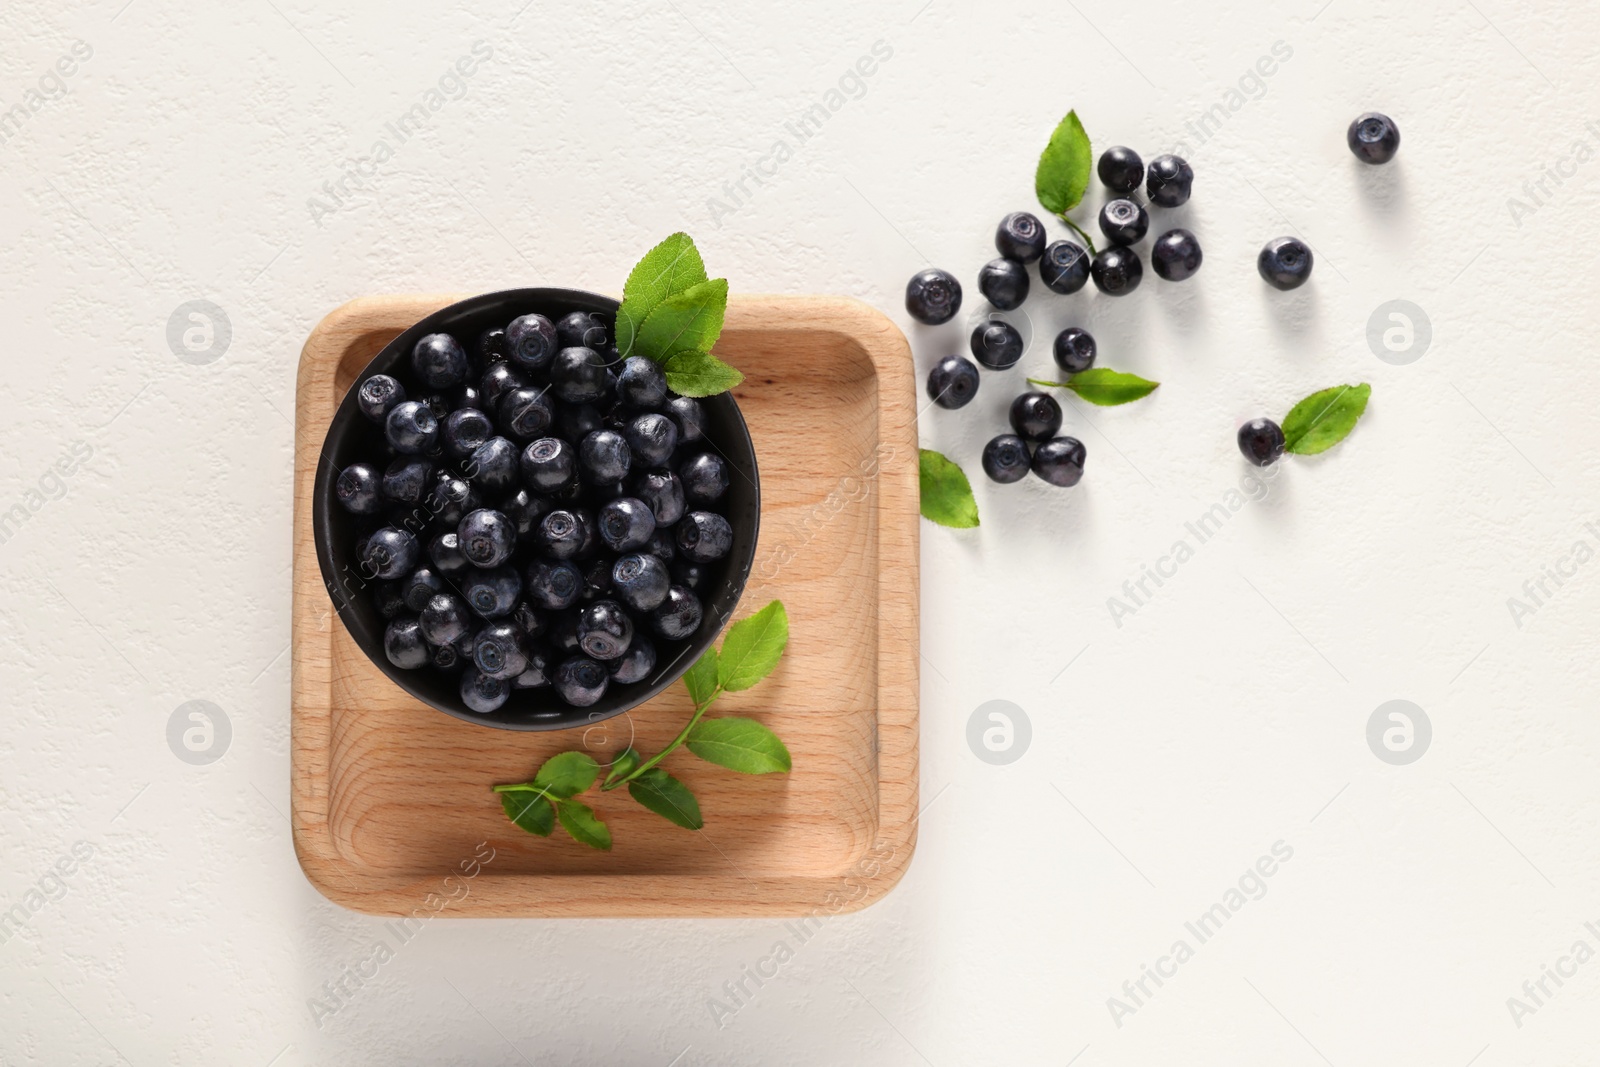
{"x":391,"y":798}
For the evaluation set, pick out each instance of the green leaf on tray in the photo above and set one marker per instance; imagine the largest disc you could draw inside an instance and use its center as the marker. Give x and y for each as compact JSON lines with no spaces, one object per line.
{"x":567,"y":774}
{"x":700,"y":374}
{"x":753,"y":647}
{"x":689,"y":321}
{"x":667,"y":797}
{"x":946,"y":493}
{"x":701,"y":678}
{"x":583,"y":826}
{"x":1105,"y":387}
{"x":742,"y":745}
{"x":625,"y":764}
{"x":1063,"y":173}
{"x":1324,"y":418}
{"x":531,"y":811}
{"x":668,"y":269}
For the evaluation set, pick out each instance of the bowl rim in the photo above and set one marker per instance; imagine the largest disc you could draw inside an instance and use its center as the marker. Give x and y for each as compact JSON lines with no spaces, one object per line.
{"x":719,"y":606}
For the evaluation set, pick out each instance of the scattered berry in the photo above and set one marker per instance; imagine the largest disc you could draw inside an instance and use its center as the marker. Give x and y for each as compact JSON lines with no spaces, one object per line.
{"x":1059,"y":461}
{"x":933,"y":297}
{"x":1374,"y":138}
{"x":1117,"y":271}
{"x":1004,"y":283}
{"x":1261,"y":441}
{"x":1170,"y":182}
{"x":1124,"y":222}
{"x":1005,"y":459}
{"x":1176,"y":255}
{"x":1285,"y":263}
{"x":1064,"y":267}
{"x":1120,"y":169}
{"x":953,"y":382}
{"x":1020,"y":237}
{"x":996,"y":344}
{"x":1074,"y":350}
{"x":1035,"y":416}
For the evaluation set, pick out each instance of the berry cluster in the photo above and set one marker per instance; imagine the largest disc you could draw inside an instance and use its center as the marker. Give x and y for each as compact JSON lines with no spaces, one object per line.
{"x":542,"y":508}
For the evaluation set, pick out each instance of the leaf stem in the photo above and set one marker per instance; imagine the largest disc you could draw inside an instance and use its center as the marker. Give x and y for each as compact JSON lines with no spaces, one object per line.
{"x":1058,"y":385}
{"x":677,"y":742}
{"x":529,"y":787}
{"x":1079,"y":231}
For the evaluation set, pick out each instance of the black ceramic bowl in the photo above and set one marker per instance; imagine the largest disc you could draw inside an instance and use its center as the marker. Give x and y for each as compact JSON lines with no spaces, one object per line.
{"x":353,"y":438}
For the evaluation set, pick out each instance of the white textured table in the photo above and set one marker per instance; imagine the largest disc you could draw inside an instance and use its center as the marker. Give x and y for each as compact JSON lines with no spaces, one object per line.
{"x":156,"y":153}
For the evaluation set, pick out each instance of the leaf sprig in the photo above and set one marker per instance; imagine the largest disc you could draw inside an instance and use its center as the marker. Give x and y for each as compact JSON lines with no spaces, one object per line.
{"x":1324,"y":418}
{"x":672,"y":313}
{"x":1062,"y":176}
{"x":750,"y":652}
{"x":946,"y":493}
{"x":1104,"y":387}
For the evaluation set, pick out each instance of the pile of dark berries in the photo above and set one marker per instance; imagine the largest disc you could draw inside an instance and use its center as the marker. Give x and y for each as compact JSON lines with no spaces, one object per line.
{"x":543,"y":513}
{"x":934,"y":297}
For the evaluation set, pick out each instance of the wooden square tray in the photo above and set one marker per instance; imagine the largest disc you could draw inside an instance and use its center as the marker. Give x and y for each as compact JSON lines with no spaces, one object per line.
{"x":391,"y":798}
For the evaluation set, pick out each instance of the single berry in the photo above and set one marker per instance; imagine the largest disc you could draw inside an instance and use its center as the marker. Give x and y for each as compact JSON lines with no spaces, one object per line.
{"x":626,"y":524}
{"x":1035,"y":416}
{"x":357,"y":489}
{"x":561,"y":533}
{"x":996,"y":344}
{"x":1074,"y":350}
{"x":581,"y":681}
{"x":663,"y":491}
{"x":465,"y":431}
{"x":584,"y":329}
{"x":604,"y":457}
{"x":493,"y":467}
{"x":1117,"y":271}
{"x":690,"y":417}
{"x":640,"y":581}
{"x":1261,"y":441}
{"x":704,"y":478}
{"x":445,"y":552}
{"x":548,"y":464}
{"x":390,"y":553}
{"x":487,"y":538}
{"x":419,"y":587}
{"x":531,"y":342}
{"x":407,"y":479}
{"x":554,"y":585}
{"x":445,"y":619}
{"x":1176,"y":255}
{"x":404,"y":644}
{"x":497,"y":381}
{"x":482,"y":694}
{"x":500,"y":651}
{"x":653,"y":438}
{"x":578,"y":375}
{"x":1374,"y":138}
{"x":642,"y":383}
{"x":604,"y":630}
{"x":704,"y":536}
{"x":378,"y":395}
{"x":1124,"y":222}
{"x":953,"y":382}
{"x":1170,"y":181}
{"x":1285,"y":263}
{"x":492,"y":593}
{"x":1059,"y":461}
{"x":933,"y":297}
{"x":410,"y":427}
{"x":451,"y":498}
{"x":635,"y":664}
{"x":1064,"y":267}
{"x":1020,"y":237}
{"x":1120,"y":169}
{"x":1004,"y":283}
{"x":438,"y":361}
{"x":678,"y":616}
{"x":1005,"y":459}
{"x":525,"y":412}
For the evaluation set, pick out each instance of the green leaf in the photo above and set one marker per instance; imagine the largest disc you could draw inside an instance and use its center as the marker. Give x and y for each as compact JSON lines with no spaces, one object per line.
{"x":583,"y":826}
{"x":753,"y":647}
{"x":742,"y":745}
{"x":1105,"y":387}
{"x":669,"y":268}
{"x":1324,"y":418}
{"x":625,"y":764}
{"x":667,"y":797}
{"x":702,"y":677}
{"x":531,"y":812}
{"x":700,"y":374}
{"x":946,"y":493}
{"x":689,"y":321}
{"x":1063,"y":173}
{"x":567,"y":774}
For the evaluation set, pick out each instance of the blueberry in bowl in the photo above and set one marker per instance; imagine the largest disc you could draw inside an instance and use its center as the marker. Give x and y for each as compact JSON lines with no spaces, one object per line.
{"x":506,"y":506}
